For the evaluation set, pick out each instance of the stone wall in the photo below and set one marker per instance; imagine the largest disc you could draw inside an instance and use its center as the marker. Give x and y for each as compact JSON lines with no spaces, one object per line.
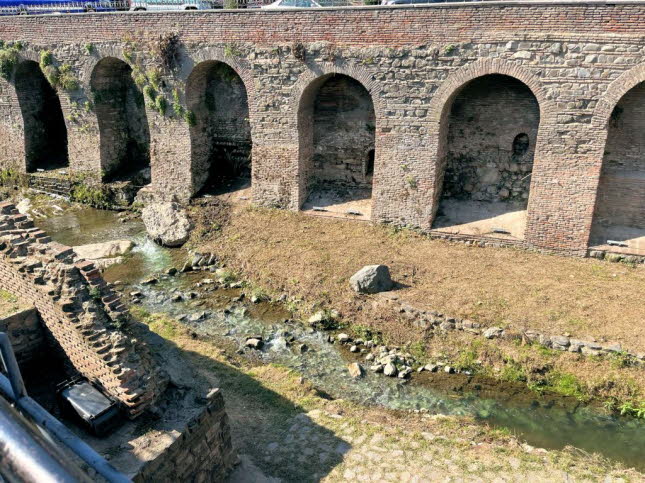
{"x":491,"y":141}
{"x":84,"y":316}
{"x":25,"y":333}
{"x":577,"y":58}
{"x":201,"y":452}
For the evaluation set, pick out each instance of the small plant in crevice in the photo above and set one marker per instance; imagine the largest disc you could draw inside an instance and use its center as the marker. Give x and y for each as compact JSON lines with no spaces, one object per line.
{"x":89,"y":48}
{"x":67,"y":80}
{"x":231,"y":50}
{"x":449,"y":49}
{"x":161,"y":105}
{"x":411,"y":181}
{"x":190,"y":118}
{"x":149,"y":92}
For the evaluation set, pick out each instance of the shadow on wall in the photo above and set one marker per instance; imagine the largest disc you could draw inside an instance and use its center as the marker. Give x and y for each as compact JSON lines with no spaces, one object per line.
{"x":336,"y":124}
{"x":123,"y":124}
{"x":44,"y":123}
{"x":490,"y":144}
{"x":221,"y":135}
{"x":619,"y":213}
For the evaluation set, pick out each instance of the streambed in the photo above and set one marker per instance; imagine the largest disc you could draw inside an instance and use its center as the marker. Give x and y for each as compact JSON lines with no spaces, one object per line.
{"x":551,"y":422}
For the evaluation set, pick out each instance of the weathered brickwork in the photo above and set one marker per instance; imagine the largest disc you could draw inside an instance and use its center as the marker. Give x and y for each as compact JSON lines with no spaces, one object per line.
{"x":202,"y":452}
{"x":25,"y":333}
{"x":577,"y":58}
{"x":84,"y":316}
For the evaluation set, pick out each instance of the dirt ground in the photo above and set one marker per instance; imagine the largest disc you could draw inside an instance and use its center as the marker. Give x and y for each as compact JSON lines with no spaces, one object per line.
{"x":9,"y":303}
{"x":311,"y":260}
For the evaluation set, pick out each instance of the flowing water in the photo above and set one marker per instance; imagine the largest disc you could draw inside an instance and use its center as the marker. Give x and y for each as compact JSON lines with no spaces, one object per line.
{"x":545,"y":421}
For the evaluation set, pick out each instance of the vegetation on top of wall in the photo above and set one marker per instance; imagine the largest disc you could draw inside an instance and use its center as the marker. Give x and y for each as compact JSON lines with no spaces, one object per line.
{"x":8,"y":58}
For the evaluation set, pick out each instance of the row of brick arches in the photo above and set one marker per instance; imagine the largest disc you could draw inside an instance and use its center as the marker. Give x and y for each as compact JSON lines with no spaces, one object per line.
{"x":488,"y":139}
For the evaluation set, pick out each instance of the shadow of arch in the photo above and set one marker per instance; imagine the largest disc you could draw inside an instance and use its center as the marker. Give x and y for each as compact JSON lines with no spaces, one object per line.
{"x":123,"y":124}
{"x":487,"y":142}
{"x":45,"y":133}
{"x":443,"y":98}
{"x":337,"y":144}
{"x":619,"y":213}
{"x":220,"y":134}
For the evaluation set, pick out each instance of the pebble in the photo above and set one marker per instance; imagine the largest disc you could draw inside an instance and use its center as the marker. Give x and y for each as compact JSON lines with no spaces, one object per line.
{"x":254,"y":343}
{"x":390,"y":370}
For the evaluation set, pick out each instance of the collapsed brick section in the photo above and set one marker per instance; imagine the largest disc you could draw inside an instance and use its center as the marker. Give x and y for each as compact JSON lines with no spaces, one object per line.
{"x":85,"y":317}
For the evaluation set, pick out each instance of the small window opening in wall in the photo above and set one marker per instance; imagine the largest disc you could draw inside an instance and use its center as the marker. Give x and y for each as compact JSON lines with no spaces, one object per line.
{"x":369,"y":168}
{"x":520,"y":144}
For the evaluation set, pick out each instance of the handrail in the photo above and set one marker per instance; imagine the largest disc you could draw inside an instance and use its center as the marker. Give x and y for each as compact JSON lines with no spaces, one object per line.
{"x":13,"y":389}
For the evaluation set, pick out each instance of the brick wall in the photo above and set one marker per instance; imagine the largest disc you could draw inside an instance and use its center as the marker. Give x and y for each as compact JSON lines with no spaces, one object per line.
{"x":577,"y":58}
{"x":84,"y":316}
{"x":25,"y":333}
{"x":202,"y":452}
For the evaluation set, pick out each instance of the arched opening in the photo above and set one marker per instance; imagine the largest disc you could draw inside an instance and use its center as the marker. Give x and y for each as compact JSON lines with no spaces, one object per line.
{"x":619,"y":215}
{"x":221,"y":135}
{"x":492,"y":127}
{"x":123,"y":124}
{"x":336,"y":125}
{"x":44,"y":123}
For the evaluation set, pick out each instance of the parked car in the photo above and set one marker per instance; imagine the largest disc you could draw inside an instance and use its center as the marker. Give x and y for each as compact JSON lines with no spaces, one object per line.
{"x":417,"y":2}
{"x":155,"y":5}
{"x":293,"y":4}
{"x":37,"y":7}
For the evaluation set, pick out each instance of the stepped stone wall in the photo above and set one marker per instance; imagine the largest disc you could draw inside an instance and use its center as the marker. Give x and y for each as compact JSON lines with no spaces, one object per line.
{"x":84,"y":316}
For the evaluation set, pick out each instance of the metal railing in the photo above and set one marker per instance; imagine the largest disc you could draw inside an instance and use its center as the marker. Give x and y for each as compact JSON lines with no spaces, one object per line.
{"x":66,"y":7}
{"x":38,"y":461}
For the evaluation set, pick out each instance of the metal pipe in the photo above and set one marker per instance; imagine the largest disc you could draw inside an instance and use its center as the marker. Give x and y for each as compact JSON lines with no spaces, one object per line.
{"x":27,"y":457}
{"x":49,"y":423}
{"x":11,"y":367}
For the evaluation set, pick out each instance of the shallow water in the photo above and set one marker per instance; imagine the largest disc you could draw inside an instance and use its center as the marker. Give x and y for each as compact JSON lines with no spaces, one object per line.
{"x":544,"y":421}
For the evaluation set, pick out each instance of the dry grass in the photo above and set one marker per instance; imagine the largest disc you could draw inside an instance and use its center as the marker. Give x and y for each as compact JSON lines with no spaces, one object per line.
{"x":313,"y":258}
{"x":9,"y":303}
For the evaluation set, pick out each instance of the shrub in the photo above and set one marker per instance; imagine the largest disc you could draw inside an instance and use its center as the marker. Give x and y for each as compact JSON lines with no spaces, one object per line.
{"x":67,"y":79}
{"x":161,"y":105}
{"x":8,"y":61}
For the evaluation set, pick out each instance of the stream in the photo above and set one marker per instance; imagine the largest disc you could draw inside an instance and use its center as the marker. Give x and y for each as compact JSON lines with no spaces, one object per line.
{"x":545,"y":421}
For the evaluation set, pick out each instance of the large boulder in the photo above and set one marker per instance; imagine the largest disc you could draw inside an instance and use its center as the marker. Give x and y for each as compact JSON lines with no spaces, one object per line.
{"x":109,"y":249}
{"x":372,"y":279}
{"x":167,"y":223}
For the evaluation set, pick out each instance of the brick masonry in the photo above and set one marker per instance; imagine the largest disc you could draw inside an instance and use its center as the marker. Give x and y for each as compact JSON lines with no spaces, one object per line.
{"x":84,"y":316}
{"x":577,"y":58}
{"x":201,"y":452}
{"x":25,"y":332}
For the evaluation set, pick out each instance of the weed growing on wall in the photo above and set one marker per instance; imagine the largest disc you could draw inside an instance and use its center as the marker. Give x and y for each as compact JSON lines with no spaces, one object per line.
{"x":89,"y":48}
{"x":231,"y":50}
{"x":8,"y":59}
{"x":62,"y":77}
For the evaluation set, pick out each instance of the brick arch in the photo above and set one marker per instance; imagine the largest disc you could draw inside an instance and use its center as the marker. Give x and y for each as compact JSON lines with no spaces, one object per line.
{"x":124,"y":133}
{"x":303,"y":90}
{"x":442,"y":102}
{"x":614,"y":93}
{"x":320,"y":71}
{"x":190,"y":60}
{"x":215,"y":137}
